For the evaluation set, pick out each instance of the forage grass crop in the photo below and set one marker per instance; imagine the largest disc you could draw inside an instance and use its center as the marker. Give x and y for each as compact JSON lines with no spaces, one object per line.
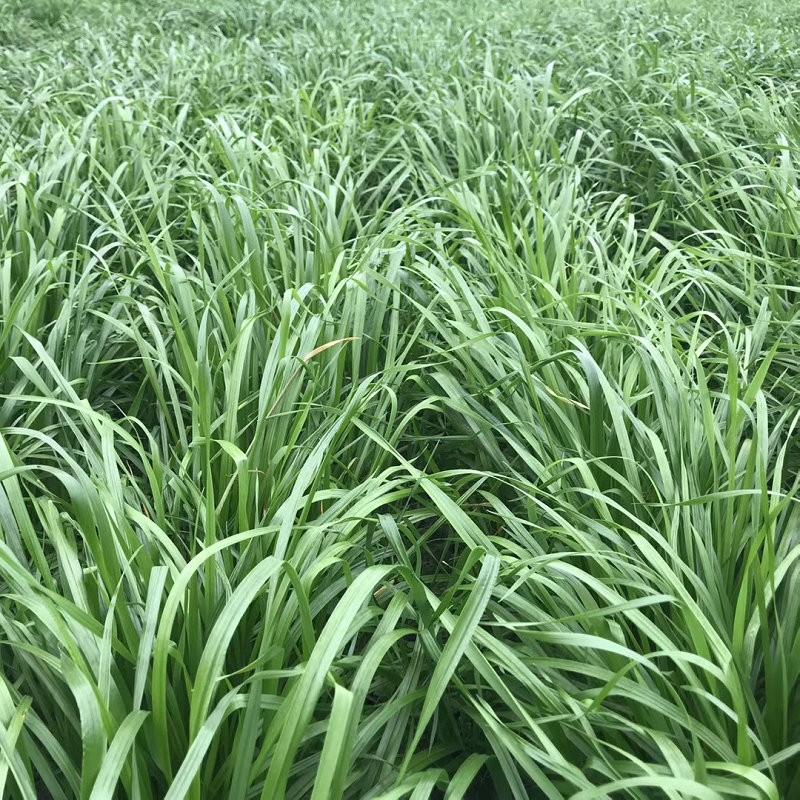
{"x":399,"y":400}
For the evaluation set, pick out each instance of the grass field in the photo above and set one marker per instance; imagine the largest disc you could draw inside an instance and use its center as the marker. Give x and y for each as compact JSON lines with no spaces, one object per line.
{"x":399,"y":400}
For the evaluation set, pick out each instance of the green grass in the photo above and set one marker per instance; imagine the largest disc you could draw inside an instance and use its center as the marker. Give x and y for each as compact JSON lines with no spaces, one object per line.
{"x":399,"y":400}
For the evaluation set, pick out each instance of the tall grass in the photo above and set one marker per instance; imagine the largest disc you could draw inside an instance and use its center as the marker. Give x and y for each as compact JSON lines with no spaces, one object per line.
{"x":399,"y":400}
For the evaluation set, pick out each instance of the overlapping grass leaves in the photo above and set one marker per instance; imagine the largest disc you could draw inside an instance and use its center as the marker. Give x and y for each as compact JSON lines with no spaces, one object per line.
{"x":398,"y":404}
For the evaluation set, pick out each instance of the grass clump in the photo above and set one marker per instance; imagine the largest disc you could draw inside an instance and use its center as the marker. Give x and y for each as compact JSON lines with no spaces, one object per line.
{"x":399,"y":401}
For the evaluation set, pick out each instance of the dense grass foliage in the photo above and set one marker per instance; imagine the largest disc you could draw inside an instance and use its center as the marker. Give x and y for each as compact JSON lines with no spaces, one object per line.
{"x":399,"y":400}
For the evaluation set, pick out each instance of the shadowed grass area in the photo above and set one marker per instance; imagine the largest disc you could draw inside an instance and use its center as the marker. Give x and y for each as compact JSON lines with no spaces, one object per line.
{"x":399,"y":400}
